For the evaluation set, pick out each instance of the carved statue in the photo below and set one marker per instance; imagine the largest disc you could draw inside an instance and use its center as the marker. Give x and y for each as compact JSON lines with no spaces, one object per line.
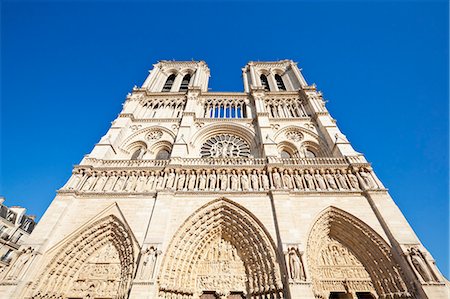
{"x":100,"y":182}
{"x":276,"y":179}
{"x":142,"y":179}
{"x":367,"y":179}
{"x":202,"y":181}
{"x":330,"y":179}
{"x":120,"y":182}
{"x":320,"y":181}
{"x":309,"y":181}
{"x":181,"y":180}
{"x":74,"y":181}
{"x":420,"y":264}
{"x":296,"y":271}
{"x":19,"y":264}
{"x":223,"y":181}
{"x":88,"y":183}
{"x":149,"y":185}
{"x":148,"y":263}
{"x":287,"y":180}
{"x":212,"y":180}
{"x":341,"y":179}
{"x":171,"y":180}
{"x":353,"y":180}
{"x":298,"y":180}
{"x":234,"y":181}
{"x":110,"y":182}
{"x":244,"y":181}
{"x":265,"y":181}
{"x":131,"y":183}
{"x":192,"y":180}
{"x":254,"y":180}
{"x":160,"y":181}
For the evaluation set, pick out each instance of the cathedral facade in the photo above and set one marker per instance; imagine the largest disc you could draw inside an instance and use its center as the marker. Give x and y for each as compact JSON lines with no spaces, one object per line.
{"x":197,"y":194}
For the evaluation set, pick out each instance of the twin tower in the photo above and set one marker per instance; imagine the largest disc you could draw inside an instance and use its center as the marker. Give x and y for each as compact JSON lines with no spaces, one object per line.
{"x":196,"y":194}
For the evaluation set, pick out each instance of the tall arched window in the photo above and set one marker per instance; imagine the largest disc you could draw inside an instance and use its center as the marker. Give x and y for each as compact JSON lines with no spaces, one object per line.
{"x":169,"y":83}
{"x":185,"y":83}
{"x":163,"y":155}
{"x":264,"y":82}
{"x":280,"y":83}
{"x":285,"y":155}
{"x":138,"y":154}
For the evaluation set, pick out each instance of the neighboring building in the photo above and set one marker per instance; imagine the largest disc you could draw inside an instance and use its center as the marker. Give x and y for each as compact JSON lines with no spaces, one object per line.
{"x":198,"y":194}
{"x":15,"y":229}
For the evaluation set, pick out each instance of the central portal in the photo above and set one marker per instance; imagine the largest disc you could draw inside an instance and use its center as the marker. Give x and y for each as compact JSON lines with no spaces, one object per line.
{"x":221,"y":272}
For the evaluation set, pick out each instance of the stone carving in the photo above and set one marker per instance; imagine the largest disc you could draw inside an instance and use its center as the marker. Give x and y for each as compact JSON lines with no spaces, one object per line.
{"x":353,"y":181}
{"x":254,"y":181}
{"x":341,"y":179}
{"x":225,"y":146}
{"x":192,"y":181}
{"x":419,"y":263}
{"x":265,"y":181}
{"x":90,"y":265}
{"x":20,"y":264}
{"x":170,"y":180}
{"x":295,"y":265}
{"x":295,"y":136}
{"x":133,"y":181}
{"x":234,"y":180}
{"x":244,"y":181}
{"x":202,"y":181}
{"x":181,"y":181}
{"x":148,"y":263}
{"x":309,"y":181}
{"x":298,"y":180}
{"x":154,"y":135}
{"x":367,"y":178}
{"x":230,"y":260}
{"x":276,"y":180}
{"x":212,"y":181}
{"x":330,"y":180}
{"x":320,"y":181}
{"x":287,"y":180}
{"x":223,"y":178}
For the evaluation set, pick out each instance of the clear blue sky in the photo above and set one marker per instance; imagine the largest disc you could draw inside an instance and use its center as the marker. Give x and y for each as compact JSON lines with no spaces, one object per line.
{"x":383,"y":66}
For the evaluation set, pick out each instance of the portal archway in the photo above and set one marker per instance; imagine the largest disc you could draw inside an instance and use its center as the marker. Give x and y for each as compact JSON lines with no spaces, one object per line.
{"x":348,"y":259}
{"x":97,"y":262}
{"x":226,"y":242}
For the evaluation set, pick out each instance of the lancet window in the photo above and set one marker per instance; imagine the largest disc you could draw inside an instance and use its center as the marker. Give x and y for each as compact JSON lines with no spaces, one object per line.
{"x":225,"y":146}
{"x":225,"y":108}
{"x":163,"y":155}
{"x":185,"y":82}
{"x":280,"y":83}
{"x":264,"y":82}
{"x":285,"y":107}
{"x":169,"y":82}
{"x":162,"y":108}
{"x":138,"y":154}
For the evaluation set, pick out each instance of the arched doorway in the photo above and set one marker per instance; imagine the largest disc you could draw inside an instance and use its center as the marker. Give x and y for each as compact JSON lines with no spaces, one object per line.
{"x":221,"y":251}
{"x":348,"y":259}
{"x":97,"y":262}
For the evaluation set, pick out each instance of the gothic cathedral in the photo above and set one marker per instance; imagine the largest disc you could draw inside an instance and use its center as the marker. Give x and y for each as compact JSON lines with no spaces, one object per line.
{"x":196,"y":194}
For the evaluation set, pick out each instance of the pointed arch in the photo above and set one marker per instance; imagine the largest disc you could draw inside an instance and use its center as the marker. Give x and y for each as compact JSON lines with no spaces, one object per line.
{"x":58,"y":277}
{"x":369,"y":248}
{"x":169,"y":82}
{"x":235,"y":225}
{"x":185,"y":82}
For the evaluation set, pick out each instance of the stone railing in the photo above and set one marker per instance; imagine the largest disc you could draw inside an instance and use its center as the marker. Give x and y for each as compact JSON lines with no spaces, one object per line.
{"x":125,"y":163}
{"x":217,"y":162}
{"x":308,"y":161}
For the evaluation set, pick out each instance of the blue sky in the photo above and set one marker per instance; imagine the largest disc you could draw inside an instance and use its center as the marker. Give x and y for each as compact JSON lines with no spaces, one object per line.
{"x":66,"y":68}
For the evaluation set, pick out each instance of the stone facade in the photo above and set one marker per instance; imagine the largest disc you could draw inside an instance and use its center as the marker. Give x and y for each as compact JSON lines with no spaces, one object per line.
{"x":197,"y":194}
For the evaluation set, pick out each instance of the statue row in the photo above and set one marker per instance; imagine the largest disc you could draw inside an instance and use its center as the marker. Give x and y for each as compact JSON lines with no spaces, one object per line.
{"x":222,"y":180}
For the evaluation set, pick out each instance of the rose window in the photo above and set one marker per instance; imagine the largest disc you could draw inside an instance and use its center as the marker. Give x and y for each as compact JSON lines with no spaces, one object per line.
{"x":225,"y":146}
